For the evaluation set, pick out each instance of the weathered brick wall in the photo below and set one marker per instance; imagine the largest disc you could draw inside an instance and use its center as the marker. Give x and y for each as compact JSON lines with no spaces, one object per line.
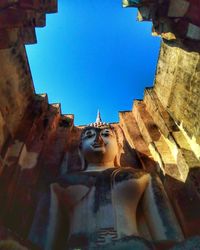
{"x":177,"y":85}
{"x":163,"y":147}
{"x":36,"y":140}
{"x":16,"y":86}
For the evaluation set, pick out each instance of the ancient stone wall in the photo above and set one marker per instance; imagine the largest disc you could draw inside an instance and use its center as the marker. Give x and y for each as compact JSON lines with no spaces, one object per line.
{"x":36,"y":140}
{"x":177,"y":85}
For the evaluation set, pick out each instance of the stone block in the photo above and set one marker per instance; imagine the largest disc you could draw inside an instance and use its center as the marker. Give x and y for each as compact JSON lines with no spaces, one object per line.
{"x":159,"y":114}
{"x":135,"y":139}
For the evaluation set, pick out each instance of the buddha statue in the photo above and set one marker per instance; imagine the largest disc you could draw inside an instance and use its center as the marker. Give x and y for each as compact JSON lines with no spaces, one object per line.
{"x":104,"y":203}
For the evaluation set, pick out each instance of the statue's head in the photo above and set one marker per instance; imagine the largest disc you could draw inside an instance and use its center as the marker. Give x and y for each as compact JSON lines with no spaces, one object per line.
{"x":100,"y":144}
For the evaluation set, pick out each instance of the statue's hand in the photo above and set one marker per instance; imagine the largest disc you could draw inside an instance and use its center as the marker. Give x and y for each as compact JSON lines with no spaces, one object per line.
{"x":70,"y":195}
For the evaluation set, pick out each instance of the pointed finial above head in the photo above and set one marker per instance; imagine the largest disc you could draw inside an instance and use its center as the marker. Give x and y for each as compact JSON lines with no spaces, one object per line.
{"x":98,"y":123}
{"x":98,"y":119}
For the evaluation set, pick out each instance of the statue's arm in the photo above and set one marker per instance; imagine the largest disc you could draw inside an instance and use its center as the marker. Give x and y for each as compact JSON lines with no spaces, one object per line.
{"x":159,"y":213}
{"x":63,"y":201}
{"x":126,"y":194}
{"x":39,"y":228}
{"x":51,"y":223}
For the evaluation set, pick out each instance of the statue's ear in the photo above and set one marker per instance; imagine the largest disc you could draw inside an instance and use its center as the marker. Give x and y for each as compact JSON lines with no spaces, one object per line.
{"x":117,"y":160}
{"x":118,"y":156}
{"x":83,"y":161}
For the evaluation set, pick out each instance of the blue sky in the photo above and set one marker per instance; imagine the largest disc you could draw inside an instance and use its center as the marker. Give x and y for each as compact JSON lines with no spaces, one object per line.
{"x":93,"y":55}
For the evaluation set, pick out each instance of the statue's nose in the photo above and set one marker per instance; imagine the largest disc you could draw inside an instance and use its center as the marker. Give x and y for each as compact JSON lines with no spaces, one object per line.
{"x":98,"y":138}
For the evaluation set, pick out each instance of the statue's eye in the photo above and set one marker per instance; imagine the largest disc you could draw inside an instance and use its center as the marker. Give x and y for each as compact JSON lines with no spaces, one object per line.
{"x":106,"y":134}
{"x":89,"y":134}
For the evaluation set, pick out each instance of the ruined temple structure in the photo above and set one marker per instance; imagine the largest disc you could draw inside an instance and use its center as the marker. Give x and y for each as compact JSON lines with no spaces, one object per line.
{"x":141,"y":190}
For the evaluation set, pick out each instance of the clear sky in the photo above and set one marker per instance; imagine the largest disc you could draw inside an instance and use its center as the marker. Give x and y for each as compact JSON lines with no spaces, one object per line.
{"x":93,"y":54}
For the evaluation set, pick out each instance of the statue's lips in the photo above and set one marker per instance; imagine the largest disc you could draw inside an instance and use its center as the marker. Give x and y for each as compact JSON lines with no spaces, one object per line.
{"x":97,"y":145}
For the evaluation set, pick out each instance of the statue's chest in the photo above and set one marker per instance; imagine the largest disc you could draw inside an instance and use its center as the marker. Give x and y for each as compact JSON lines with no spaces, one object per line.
{"x":95,"y":210}
{"x":102,"y":192}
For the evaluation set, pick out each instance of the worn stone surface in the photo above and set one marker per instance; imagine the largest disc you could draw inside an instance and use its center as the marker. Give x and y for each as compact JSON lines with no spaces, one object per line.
{"x":192,"y":243}
{"x":185,"y":200}
{"x":162,"y":132}
{"x":128,"y":243}
{"x":177,"y":87}
{"x":172,"y":20}
{"x":16,"y":86}
{"x":135,"y":139}
{"x":19,"y":18}
{"x":158,"y":113}
{"x":10,"y":240}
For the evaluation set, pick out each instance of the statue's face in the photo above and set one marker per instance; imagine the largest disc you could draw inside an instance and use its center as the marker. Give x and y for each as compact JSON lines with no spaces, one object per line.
{"x":99,"y":145}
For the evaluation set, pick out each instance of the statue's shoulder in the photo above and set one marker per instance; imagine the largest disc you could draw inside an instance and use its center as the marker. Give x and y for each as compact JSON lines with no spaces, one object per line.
{"x":76,"y":178}
{"x":127,"y":173}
